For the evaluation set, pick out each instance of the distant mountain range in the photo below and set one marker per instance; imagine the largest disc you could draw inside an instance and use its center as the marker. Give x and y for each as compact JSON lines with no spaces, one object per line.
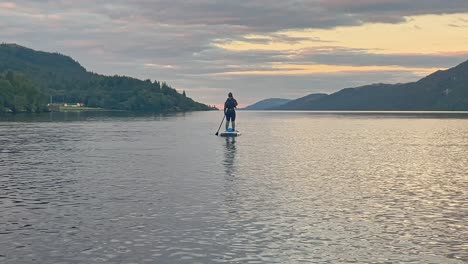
{"x":441,"y":91}
{"x":267,"y":104}
{"x":302,"y":103}
{"x":30,"y":79}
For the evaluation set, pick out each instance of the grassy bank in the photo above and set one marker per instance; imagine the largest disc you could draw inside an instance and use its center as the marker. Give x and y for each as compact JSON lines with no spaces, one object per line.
{"x":83,"y":108}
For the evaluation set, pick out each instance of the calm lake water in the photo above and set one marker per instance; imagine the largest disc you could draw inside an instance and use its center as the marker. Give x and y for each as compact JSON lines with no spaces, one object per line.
{"x":296,"y":187}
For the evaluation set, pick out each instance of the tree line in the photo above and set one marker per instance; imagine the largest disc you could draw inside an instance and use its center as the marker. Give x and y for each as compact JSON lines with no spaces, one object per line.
{"x":18,"y":94}
{"x":30,"y":79}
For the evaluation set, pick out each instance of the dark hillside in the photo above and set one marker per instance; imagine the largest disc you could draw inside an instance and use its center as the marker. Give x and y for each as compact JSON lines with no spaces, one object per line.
{"x":64,"y":80}
{"x":441,"y":91}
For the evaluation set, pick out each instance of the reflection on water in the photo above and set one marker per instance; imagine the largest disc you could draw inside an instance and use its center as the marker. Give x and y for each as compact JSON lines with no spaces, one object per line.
{"x":229,"y":156}
{"x":74,"y":116}
{"x":305,"y":188}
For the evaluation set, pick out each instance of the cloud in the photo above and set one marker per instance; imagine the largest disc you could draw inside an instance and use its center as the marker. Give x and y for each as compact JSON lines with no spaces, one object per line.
{"x":420,"y":34}
{"x":7,"y":5}
{"x":256,"y":16}
{"x":198,"y":45}
{"x":310,"y":69}
{"x":352,"y":57}
{"x":251,"y":88}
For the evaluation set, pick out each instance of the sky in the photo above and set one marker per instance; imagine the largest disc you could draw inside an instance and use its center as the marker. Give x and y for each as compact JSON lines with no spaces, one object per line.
{"x":256,"y":49}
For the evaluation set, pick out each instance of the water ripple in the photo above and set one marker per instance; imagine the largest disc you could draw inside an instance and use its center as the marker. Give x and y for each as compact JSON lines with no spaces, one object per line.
{"x":306,"y":188}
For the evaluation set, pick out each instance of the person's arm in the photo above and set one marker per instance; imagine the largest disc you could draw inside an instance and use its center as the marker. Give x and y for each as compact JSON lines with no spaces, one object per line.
{"x":235,"y":103}
{"x":225,"y":107}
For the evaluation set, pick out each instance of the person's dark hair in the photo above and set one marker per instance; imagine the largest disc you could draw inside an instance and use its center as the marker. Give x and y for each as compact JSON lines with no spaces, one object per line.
{"x":230,"y":95}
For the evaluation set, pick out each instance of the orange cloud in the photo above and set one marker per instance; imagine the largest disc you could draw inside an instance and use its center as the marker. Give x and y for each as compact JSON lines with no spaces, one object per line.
{"x":308,"y":69}
{"x":7,"y":5}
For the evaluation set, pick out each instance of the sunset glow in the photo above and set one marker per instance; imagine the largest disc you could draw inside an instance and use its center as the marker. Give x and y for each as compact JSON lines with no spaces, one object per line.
{"x":208,"y":47}
{"x":423,"y":35}
{"x":430,"y":34}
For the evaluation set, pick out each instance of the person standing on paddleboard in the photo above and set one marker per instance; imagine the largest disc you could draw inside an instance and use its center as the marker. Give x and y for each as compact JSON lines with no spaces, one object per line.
{"x":230,"y":111}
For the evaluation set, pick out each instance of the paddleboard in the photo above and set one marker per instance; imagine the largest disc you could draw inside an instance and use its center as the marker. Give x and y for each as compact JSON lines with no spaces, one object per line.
{"x":230,"y":134}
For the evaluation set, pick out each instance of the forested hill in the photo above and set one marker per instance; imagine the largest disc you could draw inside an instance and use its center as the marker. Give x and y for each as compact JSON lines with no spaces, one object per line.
{"x":267,"y":104}
{"x":441,"y":91}
{"x":29,"y":78}
{"x":301,"y":103}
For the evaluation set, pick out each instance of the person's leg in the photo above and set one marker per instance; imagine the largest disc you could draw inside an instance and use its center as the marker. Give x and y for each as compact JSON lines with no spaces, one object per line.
{"x":233,"y":118}
{"x":228,"y":118}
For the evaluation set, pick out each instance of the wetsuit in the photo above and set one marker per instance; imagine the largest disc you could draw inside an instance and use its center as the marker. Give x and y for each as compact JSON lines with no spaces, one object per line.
{"x":229,"y":109}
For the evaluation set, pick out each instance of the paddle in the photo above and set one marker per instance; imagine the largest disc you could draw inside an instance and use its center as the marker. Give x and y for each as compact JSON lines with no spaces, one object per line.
{"x":224,"y":116}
